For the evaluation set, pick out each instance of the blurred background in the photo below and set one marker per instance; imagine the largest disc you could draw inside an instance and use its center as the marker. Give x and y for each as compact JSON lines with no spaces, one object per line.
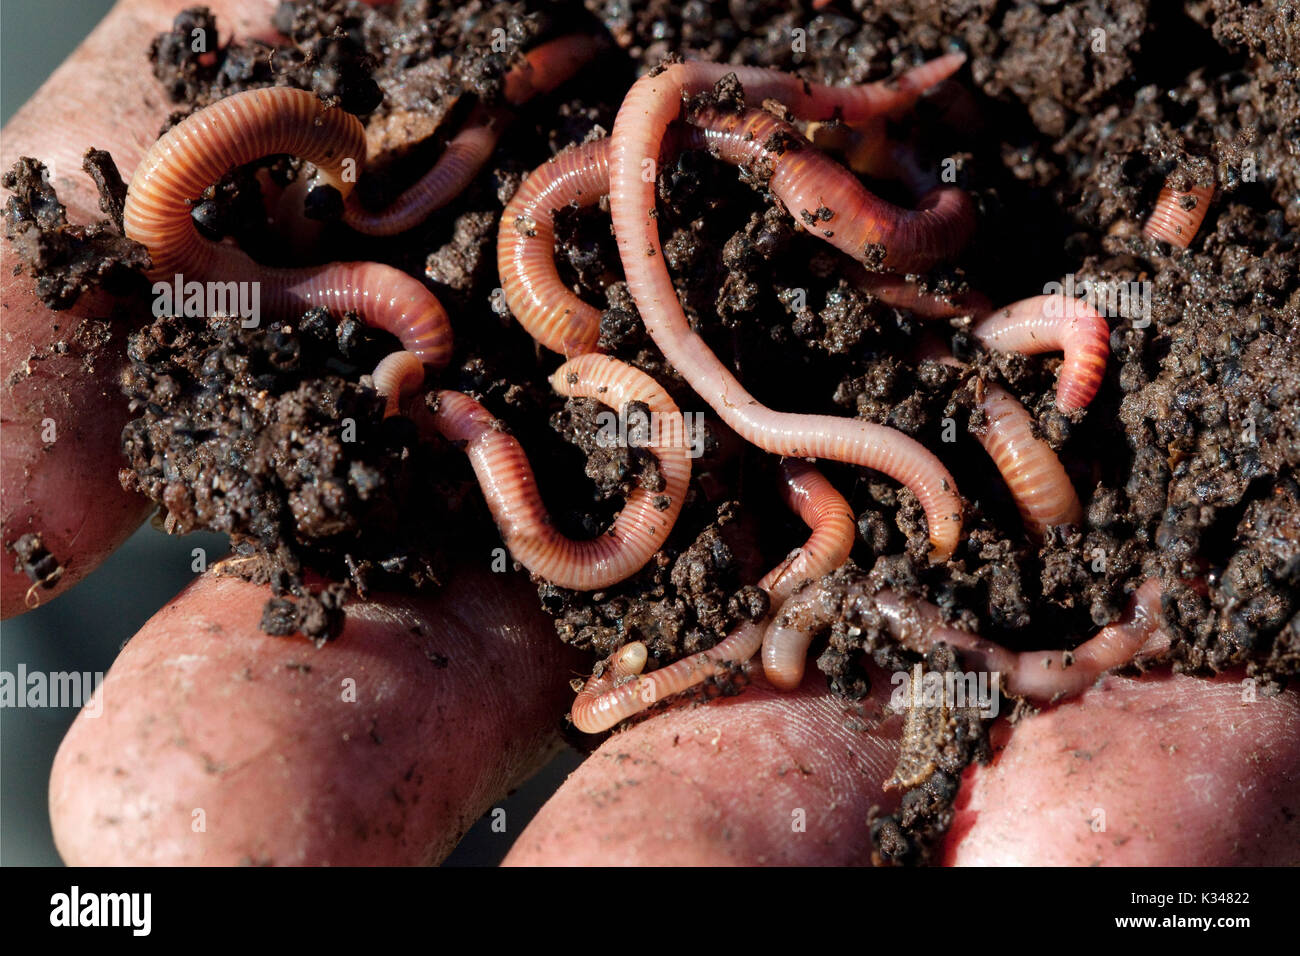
{"x":84,"y":629}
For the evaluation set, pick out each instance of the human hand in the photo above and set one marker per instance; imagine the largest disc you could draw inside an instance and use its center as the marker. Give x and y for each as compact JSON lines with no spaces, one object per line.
{"x":204,"y":712}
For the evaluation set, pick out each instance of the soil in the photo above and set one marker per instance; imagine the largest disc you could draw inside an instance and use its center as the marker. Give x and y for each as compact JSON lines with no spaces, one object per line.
{"x":1064,"y":124}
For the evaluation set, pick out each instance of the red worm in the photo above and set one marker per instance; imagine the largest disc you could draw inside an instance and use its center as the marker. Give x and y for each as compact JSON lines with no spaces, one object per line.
{"x":918,"y":626}
{"x":1034,"y":475}
{"x":397,"y":377}
{"x":1046,"y":323}
{"x":1177,"y":216}
{"x":543,"y":69}
{"x":830,"y":202}
{"x":239,"y":129}
{"x":610,"y":698}
{"x":1031,"y":469}
{"x":643,"y":119}
{"x":534,"y":292}
{"x":507,"y":480}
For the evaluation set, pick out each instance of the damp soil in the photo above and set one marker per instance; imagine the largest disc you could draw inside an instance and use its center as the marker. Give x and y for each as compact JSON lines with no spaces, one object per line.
{"x":1064,"y":124}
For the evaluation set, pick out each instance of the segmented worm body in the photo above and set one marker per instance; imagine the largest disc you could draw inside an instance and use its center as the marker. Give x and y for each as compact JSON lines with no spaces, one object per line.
{"x":830,"y":202}
{"x":397,"y":377}
{"x":507,"y":481}
{"x":918,"y":626}
{"x":1177,"y":216}
{"x":237,"y":130}
{"x":544,"y":68}
{"x":650,"y":106}
{"x":1034,"y":475}
{"x":1048,"y":323}
{"x":610,"y":697}
{"x":534,"y":292}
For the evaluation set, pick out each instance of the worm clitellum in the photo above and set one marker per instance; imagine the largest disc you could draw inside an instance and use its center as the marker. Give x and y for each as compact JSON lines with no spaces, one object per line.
{"x":1177,"y":216}
{"x":508,"y":484}
{"x":1047,"y":323}
{"x":918,"y":626}
{"x":604,"y":701}
{"x":650,"y":107}
{"x":237,"y":130}
{"x":543,"y":69}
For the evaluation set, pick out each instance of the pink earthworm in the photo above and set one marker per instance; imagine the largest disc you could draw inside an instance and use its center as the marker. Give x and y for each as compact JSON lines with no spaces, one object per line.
{"x":244,"y":127}
{"x":650,"y":106}
{"x":1033,"y":472}
{"x":552,"y":314}
{"x":830,"y":202}
{"x":610,"y":697}
{"x":1177,"y":216}
{"x":544,"y":68}
{"x":918,"y":626}
{"x":397,"y":377}
{"x":1046,"y":323}
{"x":1031,"y":469}
{"x":507,"y":481}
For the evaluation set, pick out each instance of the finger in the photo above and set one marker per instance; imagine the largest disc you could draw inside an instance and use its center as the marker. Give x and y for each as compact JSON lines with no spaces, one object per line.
{"x":763,"y":778}
{"x":63,"y":408}
{"x":1170,"y":771}
{"x":217,"y":744}
{"x":711,"y":785}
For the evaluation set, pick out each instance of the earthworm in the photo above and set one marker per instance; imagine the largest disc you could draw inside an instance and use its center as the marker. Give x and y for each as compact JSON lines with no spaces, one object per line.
{"x":398,"y":376}
{"x":561,"y":321}
{"x":918,"y":626}
{"x":239,"y":129}
{"x":544,"y":68}
{"x":829,"y":200}
{"x":534,"y":292}
{"x":1045,"y":323}
{"x":1034,"y":475}
{"x":1177,"y":215}
{"x":904,"y":293}
{"x":1033,"y":472}
{"x":643,"y":119}
{"x":604,"y":701}
{"x":508,"y":484}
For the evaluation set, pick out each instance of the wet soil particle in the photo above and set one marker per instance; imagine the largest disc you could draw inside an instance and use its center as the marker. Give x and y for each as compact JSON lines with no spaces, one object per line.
{"x":32,"y":558}
{"x":68,"y":260}
{"x":267,"y":436}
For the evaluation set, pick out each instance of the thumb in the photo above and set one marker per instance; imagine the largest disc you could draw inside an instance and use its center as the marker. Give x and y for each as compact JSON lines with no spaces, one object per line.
{"x":63,"y":409}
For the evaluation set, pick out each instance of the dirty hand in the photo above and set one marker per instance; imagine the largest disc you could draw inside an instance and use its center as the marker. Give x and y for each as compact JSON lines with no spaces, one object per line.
{"x":427,"y":710}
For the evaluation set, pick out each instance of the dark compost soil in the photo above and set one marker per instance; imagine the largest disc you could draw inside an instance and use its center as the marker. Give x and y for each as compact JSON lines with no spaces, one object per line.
{"x":1063,"y":125}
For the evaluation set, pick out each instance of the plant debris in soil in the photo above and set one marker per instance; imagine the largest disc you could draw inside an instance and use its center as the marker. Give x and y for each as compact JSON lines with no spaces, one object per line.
{"x":1064,"y":125}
